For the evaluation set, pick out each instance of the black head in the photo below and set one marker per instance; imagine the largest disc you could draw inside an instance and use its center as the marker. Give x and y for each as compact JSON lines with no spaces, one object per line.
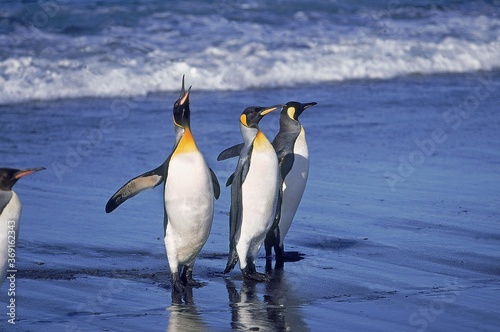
{"x":9,"y":176}
{"x":252,"y":115}
{"x":294,"y":109}
{"x":181,"y":110}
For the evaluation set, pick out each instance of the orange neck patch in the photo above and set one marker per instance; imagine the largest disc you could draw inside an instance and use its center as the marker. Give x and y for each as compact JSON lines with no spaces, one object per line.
{"x":187,"y":143}
{"x":260,"y":141}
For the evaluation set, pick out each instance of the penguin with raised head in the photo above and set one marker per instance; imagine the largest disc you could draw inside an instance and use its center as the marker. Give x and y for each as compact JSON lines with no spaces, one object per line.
{"x":293,"y":156}
{"x":254,"y":193}
{"x":189,"y":190}
{"x":10,"y":211}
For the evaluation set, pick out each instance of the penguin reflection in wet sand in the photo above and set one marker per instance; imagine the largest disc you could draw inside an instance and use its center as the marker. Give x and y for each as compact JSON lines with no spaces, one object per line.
{"x":10,"y":210}
{"x":254,"y":193}
{"x":189,"y":190}
{"x":293,"y":156}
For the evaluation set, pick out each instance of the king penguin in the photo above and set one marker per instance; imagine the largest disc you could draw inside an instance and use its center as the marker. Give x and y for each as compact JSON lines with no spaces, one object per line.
{"x":293,"y":157}
{"x":10,"y":211}
{"x":189,"y":187}
{"x":254,"y":193}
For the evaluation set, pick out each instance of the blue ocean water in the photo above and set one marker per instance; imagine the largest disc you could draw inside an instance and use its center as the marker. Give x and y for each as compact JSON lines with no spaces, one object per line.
{"x":53,"y":49}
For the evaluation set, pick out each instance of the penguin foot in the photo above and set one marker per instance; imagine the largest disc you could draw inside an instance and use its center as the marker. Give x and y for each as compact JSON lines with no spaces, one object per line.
{"x":177,"y":285}
{"x":187,"y":279}
{"x":255,"y":276}
{"x":185,"y":297}
{"x":250,"y":274}
{"x":190,"y":282}
{"x":176,"y":297}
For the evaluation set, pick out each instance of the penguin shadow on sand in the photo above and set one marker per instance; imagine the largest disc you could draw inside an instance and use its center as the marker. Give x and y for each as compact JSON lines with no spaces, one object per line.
{"x":277,"y":309}
{"x":184,"y":315}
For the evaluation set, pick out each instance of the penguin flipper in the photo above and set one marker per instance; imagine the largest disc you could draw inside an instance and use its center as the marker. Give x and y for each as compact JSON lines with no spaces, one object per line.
{"x":140,"y":183}
{"x":286,"y":163}
{"x":215,"y":183}
{"x":277,"y":214}
{"x":231,"y":260}
{"x":5,"y":197}
{"x":234,"y":232}
{"x":244,"y":173}
{"x":235,"y":213}
{"x":231,"y":152}
{"x":234,"y":226}
{"x":229,"y":180}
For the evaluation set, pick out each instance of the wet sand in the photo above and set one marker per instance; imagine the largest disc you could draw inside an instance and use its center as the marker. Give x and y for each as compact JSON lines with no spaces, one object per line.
{"x":399,"y":223}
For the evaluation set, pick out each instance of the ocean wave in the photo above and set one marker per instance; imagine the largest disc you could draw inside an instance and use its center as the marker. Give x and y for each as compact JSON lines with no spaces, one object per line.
{"x":252,"y":66}
{"x":222,"y":53}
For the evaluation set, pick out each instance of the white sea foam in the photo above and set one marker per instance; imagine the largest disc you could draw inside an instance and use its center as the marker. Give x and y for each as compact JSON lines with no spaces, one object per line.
{"x":234,"y":55}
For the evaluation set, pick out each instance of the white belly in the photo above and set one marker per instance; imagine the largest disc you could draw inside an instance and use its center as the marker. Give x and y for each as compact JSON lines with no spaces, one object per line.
{"x":259,"y":194}
{"x":9,"y":230}
{"x":294,"y":185}
{"x":189,"y":201}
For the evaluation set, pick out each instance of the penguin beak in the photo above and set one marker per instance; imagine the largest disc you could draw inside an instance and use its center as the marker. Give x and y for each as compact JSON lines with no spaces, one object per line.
{"x":184,"y":95}
{"x":183,"y":91}
{"x":307,"y":105}
{"x":266,"y":110}
{"x":27,"y":171}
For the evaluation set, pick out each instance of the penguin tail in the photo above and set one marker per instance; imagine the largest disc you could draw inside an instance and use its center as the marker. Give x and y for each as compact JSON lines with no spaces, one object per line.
{"x":231,"y":261}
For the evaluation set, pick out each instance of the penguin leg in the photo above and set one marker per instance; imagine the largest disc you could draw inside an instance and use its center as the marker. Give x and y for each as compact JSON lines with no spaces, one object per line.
{"x":177,"y":283}
{"x":268,"y":245}
{"x":183,"y":297}
{"x":176,"y":297}
{"x":250,"y":273}
{"x":187,"y":278}
{"x":269,"y":242}
{"x":188,"y":296}
{"x":273,"y":241}
{"x":269,"y":264}
{"x":279,"y":250}
{"x":283,"y":256}
{"x":280,"y":256}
